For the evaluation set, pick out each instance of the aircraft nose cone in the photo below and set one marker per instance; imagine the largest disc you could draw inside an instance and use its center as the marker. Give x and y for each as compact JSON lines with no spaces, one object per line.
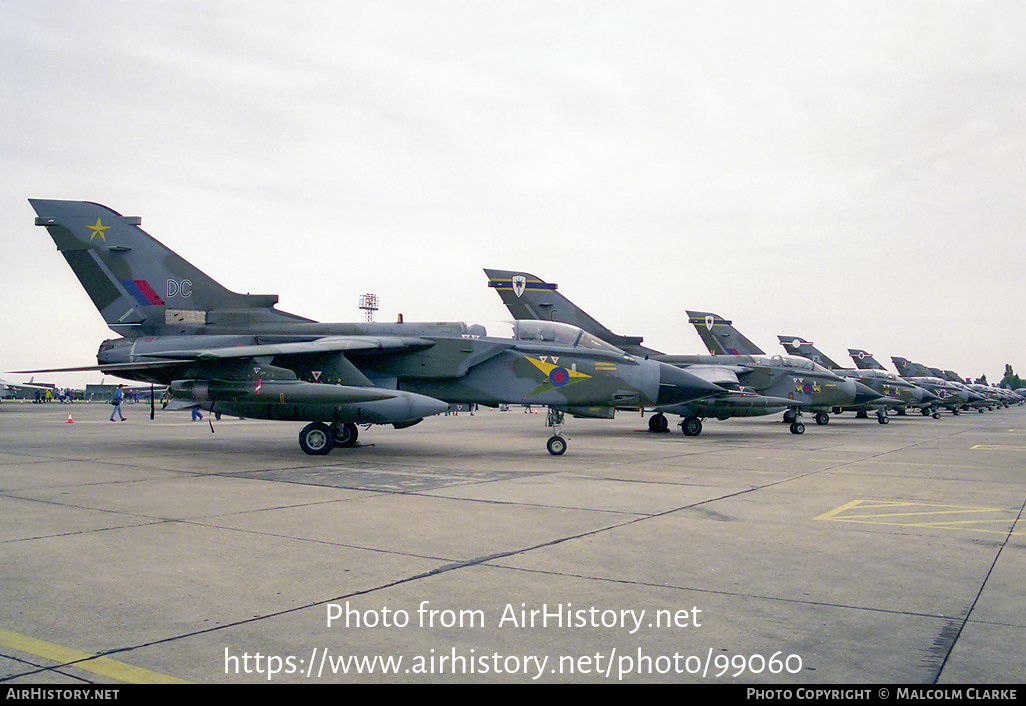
{"x":676,"y":386}
{"x":864,"y":394}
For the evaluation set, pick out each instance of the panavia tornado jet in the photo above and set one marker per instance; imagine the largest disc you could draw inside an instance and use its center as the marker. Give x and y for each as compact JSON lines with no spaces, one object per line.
{"x":946,"y":394}
{"x":238,"y":354}
{"x":755,"y":384}
{"x":961,"y":397}
{"x":894,"y":392}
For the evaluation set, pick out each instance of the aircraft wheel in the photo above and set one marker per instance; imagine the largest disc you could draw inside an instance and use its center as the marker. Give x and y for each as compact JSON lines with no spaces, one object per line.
{"x":346,"y":434}
{"x":954,"y":412}
{"x":936,"y":415}
{"x":797,"y":428}
{"x":556,"y":445}
{"x":692,"y":426}
{"x":316,"y":439}
{"x":926,"y":412}
{"x":883,"y":419}
{"x":658,"y":424}
{"x":822,"y":418}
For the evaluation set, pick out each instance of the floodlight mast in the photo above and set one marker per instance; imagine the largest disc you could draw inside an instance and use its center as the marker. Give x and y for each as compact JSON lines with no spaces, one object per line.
{"x":369,"y":304}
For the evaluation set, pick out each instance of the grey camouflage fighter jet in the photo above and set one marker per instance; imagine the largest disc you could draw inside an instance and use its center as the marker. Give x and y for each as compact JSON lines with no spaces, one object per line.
{"x":756,"y":384}
{"x":238,"y":354}
{"x":945,"y":394}
{"x":895,"y":392}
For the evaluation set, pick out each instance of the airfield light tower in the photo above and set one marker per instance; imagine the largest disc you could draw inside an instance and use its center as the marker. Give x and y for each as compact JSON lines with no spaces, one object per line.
{"x":369,"y":303}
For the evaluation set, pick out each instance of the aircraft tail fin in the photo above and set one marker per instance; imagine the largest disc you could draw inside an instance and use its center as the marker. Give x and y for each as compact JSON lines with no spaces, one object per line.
{"x":529,"y":298}
{"x":795,"y":345}
{"x":864,"y":360}
{"x":720,"y":336}
{"x":905,"y":367}
{"x":140,"y":286}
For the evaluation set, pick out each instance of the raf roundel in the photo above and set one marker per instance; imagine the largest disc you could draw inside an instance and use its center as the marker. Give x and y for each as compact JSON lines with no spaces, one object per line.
{"x":559,"y":376}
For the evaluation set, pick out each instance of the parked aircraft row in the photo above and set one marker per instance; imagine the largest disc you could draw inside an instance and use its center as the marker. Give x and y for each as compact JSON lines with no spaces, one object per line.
{"x":819,"y":384}
{"x":239,"y":354}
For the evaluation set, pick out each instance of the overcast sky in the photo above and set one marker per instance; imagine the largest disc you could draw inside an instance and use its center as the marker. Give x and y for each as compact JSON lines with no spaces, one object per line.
{"x":850,"y":172}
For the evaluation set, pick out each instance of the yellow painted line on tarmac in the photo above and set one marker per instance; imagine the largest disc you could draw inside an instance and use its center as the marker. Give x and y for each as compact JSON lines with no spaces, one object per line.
{"x":102,"y":666}
{"x":904,"y":514}
{"x":997,"y":447}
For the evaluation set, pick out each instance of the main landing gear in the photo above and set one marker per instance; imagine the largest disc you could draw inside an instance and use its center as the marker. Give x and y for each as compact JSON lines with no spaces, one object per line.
{"x":691,"y":426}
{"x":318,"y":439}
{"x":792,"y":415}
{"x":657,"y":423}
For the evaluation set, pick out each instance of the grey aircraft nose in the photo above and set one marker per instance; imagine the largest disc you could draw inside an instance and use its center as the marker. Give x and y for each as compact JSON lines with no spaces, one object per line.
{"x":676,"y":386}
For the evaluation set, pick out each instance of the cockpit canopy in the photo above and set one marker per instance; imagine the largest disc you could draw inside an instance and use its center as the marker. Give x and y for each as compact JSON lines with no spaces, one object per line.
{"x":791,"y":361}
{"x":541,"y":332}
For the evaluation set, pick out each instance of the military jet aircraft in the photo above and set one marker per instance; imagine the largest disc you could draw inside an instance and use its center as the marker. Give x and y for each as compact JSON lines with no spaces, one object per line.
{"x":758,"y":384}
{"x":947,"y":394}
{"x":981,"y":396}
{"x":722,"y":339}
{"x":895,"y":392}
{"x":240,"y":355}
{"x":917,"y":371}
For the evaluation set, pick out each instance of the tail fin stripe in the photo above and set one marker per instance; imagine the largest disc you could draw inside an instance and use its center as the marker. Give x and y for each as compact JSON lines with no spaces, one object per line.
{"x":142,"y":291}
{"x":531,"y":286}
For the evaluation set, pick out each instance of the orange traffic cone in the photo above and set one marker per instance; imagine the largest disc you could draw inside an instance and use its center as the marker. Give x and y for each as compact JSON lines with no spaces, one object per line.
{"x":70,"y":420}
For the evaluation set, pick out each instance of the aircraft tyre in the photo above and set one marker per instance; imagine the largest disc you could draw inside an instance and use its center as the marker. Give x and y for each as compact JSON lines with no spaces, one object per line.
{"x":316,"y":439}
{"x":797,"y":428}
{"x":926,"y":412}
{"x":556,"y":445}
{"x":822,"y":418}
{"x":936,"y":415}
{"x":692,"y":426}
{"x":883,"y":419}
{"x":658,"y":424}
{"x":346,"y":434}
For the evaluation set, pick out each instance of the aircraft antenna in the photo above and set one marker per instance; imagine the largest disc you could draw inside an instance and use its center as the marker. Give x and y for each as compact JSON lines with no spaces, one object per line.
{"x":369,"y":303}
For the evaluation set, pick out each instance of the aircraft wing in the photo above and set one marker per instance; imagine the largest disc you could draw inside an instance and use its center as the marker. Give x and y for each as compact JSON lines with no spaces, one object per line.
{"x":110,"y":367}
{"x":326,"y":344}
